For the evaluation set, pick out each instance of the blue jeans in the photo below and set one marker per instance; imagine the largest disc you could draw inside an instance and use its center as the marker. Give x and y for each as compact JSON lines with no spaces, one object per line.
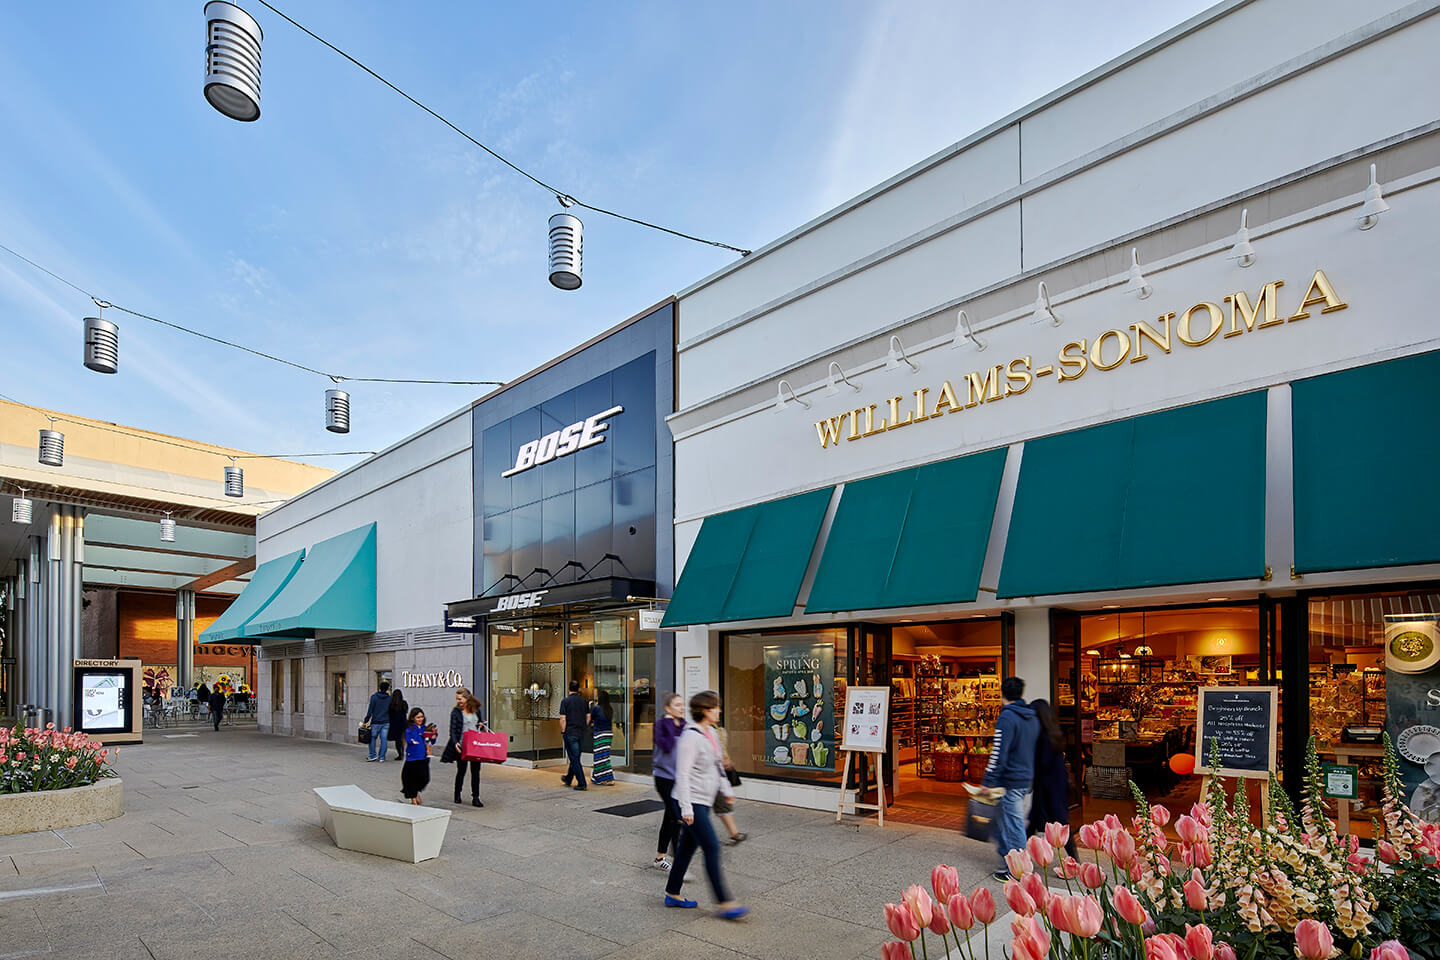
{"x":575,"y":771}
{"x":379,"y":739}
{"x":700,"y":834}
{"x":1010,"y":824}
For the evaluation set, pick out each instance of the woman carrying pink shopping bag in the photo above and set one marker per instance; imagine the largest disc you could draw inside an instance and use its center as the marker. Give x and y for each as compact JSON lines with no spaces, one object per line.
{"x":465,"y":718}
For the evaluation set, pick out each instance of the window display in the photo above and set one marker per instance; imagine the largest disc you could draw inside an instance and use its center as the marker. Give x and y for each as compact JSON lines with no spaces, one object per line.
{"x":782,"y":692}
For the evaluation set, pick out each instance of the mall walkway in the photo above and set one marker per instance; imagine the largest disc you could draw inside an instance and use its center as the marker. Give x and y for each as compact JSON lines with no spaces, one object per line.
{"x":219,"y":854}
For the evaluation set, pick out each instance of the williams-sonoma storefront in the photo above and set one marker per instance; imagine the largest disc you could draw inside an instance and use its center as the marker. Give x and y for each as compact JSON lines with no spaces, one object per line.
{"x":1166,"y":428}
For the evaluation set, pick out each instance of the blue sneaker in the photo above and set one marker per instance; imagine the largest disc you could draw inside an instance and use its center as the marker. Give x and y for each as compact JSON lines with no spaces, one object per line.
{"x":734,"y":913}
{"x":681,"y":902}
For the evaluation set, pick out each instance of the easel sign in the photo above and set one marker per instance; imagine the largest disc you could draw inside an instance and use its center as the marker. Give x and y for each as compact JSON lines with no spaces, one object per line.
{"x":1242,"y":721}
{"x":864,"y":728}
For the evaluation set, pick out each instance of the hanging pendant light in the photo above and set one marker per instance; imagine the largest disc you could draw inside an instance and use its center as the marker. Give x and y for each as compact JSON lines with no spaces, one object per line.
{"x":52,"y":447}
{"x":21,"y":509}
{"x":102,"y":343}
{"x":337,"y":411}
{"x":566,"y":234}
{"x":232,"y":61}
{"x":234,"y":480}
{"x":167,"y":529}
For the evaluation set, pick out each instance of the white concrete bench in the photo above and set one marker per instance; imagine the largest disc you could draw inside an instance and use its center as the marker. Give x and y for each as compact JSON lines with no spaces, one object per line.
{"x":401,"y":831}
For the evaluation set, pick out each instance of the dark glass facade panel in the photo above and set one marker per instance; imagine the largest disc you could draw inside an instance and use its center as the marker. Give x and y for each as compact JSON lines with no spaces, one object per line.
{"x":526,"y":550}
{"x":495,"y":532}
{"x":557,"y":519}
{"x":632,"y":434}
{"x":633,"y":538}
{"x":496,"y":449}
{"x":558,"y":476}
{"x":592,"y":528}
{"x":525,"y":486}
{"x":593,"y":463}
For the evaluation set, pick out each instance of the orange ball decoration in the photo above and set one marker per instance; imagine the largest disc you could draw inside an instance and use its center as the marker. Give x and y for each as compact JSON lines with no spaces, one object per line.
{"x":1183,"y":764}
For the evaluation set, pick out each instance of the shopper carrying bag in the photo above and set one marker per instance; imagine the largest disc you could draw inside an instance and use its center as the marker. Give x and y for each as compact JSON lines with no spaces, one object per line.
{"x":465,"y":720}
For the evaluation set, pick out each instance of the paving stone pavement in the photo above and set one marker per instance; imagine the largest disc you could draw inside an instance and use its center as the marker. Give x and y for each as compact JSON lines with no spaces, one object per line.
{"x":220,"y":853}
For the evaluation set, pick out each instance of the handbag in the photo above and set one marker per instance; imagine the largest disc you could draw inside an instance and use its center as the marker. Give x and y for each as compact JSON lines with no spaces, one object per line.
{"x":484,"y":746}
{"x":449,"y":754}
{"x":365,"y":733}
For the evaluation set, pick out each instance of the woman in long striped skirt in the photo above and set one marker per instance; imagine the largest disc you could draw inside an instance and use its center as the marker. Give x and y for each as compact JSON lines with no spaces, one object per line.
{"x":602,"y":723}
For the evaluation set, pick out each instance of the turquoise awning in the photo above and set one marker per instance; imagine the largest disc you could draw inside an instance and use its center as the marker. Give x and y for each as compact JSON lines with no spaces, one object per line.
{"x":333,"y":591}
{"x":910,"y":538}
{"x":1167,"y":498}
{"x":748,"y":564}
{"x":1365,"y":459}
{"x":268,"y":579}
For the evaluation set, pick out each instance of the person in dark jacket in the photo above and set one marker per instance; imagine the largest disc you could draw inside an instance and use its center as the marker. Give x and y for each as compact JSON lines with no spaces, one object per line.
{"x":467,"y":715}
{"x":1012,"y":766}
{"x":415,"y":774}
{"x":378,"y":716}
{"x":1051,"y":803}
{"x":667,"y":732}
{"x":399,"y":710}
{"x":217,"y":706}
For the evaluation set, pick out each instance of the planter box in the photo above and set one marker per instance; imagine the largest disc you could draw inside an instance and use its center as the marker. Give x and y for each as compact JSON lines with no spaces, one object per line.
{"x":56,"y":809}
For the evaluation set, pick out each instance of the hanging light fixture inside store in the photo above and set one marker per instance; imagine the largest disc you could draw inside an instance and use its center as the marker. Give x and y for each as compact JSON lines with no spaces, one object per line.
{"x":1143,"y":650}
{"x":1043,"y":313}
{"x":232,"y":61}
{"x":337,"y":411}
{"x":963,"y":332}
{"x":52,"y":447}
{"x":1137,"y":284}
{"x":1240,"y":250}
{"x":167,"y":529}
{"x":780,"y":396}
{"x":897,"y":356}
{"x":566,"y":236}
{"x":21,"y":509}
{"x":102,"y":342}
{"x":832,"y":388}
{"x":234,"y":480}
{"x":1374,"y":203}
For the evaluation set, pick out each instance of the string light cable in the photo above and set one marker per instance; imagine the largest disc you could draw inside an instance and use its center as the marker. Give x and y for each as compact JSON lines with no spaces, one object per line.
{"x":333,"y":377}
{"x":566,"y":199}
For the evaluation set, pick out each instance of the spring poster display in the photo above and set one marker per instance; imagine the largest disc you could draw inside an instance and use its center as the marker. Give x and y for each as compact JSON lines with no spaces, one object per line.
{"x":799,"y":680}
{"x":1412,"y":707}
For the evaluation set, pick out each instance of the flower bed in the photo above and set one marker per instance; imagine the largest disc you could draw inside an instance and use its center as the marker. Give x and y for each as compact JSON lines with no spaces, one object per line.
{"x":33,"y":760}
{"x":1226,"y":890}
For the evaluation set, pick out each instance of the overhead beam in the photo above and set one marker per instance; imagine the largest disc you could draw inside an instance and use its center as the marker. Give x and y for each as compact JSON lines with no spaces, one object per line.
{"x":220,"y":576}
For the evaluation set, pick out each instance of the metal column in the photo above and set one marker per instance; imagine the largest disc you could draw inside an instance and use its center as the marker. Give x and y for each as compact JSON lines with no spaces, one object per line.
{"x":54,"y":642}
{"x":184,"y":637}
{"x":35,"y":624}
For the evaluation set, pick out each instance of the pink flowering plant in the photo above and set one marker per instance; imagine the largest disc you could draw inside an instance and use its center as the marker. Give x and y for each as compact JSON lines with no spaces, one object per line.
{"x":32,"y":759}
{"x":1224,"y":889}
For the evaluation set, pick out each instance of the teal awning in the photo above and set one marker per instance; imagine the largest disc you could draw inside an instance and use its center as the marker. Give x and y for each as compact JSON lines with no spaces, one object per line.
{"x":748,"y":563}
{"x":268,"y":579}
{"x":910,"y":538}
{"x":1167,"y":498}
{"x":333,"y":591}
{"x":1365,"y":466}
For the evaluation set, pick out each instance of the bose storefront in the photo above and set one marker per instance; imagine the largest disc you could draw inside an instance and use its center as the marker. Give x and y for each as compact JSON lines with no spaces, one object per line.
{"x":573,"y":487}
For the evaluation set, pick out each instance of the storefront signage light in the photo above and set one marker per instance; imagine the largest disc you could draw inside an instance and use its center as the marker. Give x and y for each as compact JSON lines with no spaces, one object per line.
{"x":520,"y":601}
{"x":577,"y":436}
{"x":1196,"y":327}
{"x":446,"y":678}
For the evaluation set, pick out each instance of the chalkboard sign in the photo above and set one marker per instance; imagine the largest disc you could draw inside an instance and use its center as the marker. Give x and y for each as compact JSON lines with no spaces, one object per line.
{"x":1242,"y":719}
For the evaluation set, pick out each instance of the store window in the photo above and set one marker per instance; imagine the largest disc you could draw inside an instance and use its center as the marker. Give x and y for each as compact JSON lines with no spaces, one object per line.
{"x":1374,"y":660}
{"x":277,"y":684}
{"x":297,"y":685}
{"x":384,"y":676}
{"x":527,"y":683}
{"x":782,"y":692}
{"x":337,"y":694}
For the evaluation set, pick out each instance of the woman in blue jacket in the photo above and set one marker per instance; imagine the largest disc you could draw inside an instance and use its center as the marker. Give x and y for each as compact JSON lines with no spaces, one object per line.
{"x":415,"y":774}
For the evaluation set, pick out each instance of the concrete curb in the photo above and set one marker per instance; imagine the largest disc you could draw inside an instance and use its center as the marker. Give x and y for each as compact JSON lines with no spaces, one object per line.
{"x":56,"y":809}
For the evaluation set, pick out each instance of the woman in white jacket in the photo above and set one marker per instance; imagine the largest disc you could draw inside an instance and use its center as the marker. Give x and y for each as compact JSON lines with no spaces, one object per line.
{"x":699,"y":776}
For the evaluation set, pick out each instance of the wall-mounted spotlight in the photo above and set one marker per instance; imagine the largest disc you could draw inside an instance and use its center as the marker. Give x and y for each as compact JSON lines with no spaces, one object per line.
{"x":897,"y":356}
{"x":21,"y":509}
{"x":1137,"y":284}
{"x":963,"y":333}
{"x":234,"y":480}
{"x":232,"y":61}
{"x":1240,"y":250}
{"x":337,"y":411}
{"x":102,"y":342}
{"x":1043,"y":313}
{"x":167,"y":529}
{"x":831,"y":387}
{"x":1374,"y":203}
{"x":566,"y":242}
{"x":780,"y":396}
{"x":52,"y":446}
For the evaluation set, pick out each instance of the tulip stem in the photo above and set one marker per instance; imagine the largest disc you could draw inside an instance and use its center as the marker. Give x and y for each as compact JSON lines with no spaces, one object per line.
{"x":924,"y":947}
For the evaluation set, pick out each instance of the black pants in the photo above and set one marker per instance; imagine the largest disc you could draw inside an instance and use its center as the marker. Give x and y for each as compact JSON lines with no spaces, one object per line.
{"x":670,"y":824}
{"x":698,"y":835}
{"x":474,"y":766}
{"x":399,"y":750}
{"x":216,"y":715}
{"x":414,"y":777}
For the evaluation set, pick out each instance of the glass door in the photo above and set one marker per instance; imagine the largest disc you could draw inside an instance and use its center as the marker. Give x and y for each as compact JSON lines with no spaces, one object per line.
{"x":527,"y":683}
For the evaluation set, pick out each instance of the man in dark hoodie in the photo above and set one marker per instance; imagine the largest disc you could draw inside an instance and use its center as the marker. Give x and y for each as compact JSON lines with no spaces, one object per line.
{"x":1012,"y":766}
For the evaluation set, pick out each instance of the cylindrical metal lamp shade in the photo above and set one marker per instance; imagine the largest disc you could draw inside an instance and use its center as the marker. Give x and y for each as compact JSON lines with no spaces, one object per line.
{"x":102,"y":345}
{"x":52,"y":448}
{"x":167,"y":530}
{"x":565,"y":249}
{"x":234,"y":482}
{"x":337,"y":411}
{"x":22,"y":510}
{"x":232,"y":61}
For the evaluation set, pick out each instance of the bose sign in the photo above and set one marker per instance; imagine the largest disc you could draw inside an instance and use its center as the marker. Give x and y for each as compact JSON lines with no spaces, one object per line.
{"x":520,"y":601}
{"x":577,"y":436}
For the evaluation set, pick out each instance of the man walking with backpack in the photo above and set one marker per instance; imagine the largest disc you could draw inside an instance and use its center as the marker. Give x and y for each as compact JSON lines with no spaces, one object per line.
{"x":1012,"y":766}
{"x":378,"y":716}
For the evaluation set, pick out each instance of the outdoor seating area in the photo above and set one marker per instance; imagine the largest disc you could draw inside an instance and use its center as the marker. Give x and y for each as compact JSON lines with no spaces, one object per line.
{"x":401,"y":831}
{"x":180,"y":711}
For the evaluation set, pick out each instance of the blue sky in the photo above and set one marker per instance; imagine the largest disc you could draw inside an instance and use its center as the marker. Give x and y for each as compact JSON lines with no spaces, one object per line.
{"x":351,"y":232}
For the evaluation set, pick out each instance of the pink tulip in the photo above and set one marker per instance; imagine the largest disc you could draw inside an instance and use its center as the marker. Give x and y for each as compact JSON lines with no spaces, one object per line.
{"x":1019,"y":863}
{"x":1159,"y":814}
{"x":1018,"y":899}
{"x":1122,"y":847}
{"x":901,"y":922}
{"x":1055,"y":912}
{"x":1021,"y":948}
{"x":958,"y":910}
{"x":1070,"y":868}
{"x":1203,"y":854}
{"x":1386,"y":851}
{"x":1040,"y":851}
{"x":1088,"y":917}
{"x":1390,"y":950}
{"x":938,"y":924}
{"x":1057,"y":835}
{"x":896,"y":951}
{"x":917,"y":901}
{"x":982,"y":903}
{"x":1091,"y":876}
{"x":1195,"y":897}
{"x":1112,"y":822}
{"x":1223,"y":951}
{"x":1091,"y":836}
{"x":1159,"y":948}
{"x":1128,"y":907}
{"x":1039,"y":935}
{"x":1201,"y":812}
{"x":1313,"y":940}
{"x":1199,"y":942}
{"x":945,"y":881}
